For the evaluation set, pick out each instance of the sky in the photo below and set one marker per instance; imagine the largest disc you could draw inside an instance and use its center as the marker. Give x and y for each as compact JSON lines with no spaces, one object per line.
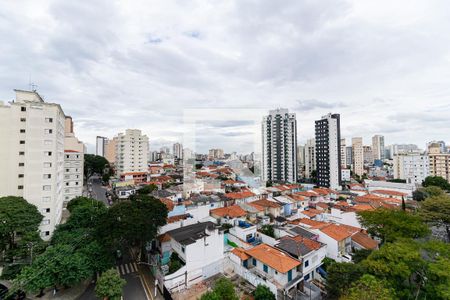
{"x":383,"y":65}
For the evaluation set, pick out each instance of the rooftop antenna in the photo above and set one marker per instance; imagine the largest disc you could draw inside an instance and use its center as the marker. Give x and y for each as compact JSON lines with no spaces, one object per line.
{"x":31,"y":85}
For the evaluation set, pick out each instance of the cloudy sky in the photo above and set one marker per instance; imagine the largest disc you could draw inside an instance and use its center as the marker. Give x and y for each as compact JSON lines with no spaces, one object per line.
{"x":383,"y":65}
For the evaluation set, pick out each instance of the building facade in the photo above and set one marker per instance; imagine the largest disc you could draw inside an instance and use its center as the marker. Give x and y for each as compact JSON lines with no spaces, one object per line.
{"x":279,"y":143}
{"x":328,"y":151}
{"x":439,"y":161}
{"x":215,"y":154}
{"x":33,"y":160}
{"x":358,"y":155}
{"x":131,"y":152}
{"x":110,"y":150}
{"x":178,"y":150}
{"x":73,"y":163}
{"x":349,"y":156}
{"x":412,"y":167}
{"x":343,"y":154}
{"x":310,"y":157}
{"x":368,"y":155}
{"x":378,"y":147}
{"x":100,"y":143}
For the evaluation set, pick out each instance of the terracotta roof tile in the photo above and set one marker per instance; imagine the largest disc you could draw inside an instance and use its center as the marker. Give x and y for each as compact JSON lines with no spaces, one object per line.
{"x":336,"y":232}
{"x":233,"y":211}
{"x":239,"y":252}
{"x":273,"y":258}
{"x":365,"y":241}
{"x":389,"y":193}
{"x":266,"y":203}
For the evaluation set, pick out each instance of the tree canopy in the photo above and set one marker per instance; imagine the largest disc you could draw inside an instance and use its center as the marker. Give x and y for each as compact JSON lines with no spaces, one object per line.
{"x":369,"y":287}
{"x":109,"y":285}
{"x":96,"y":164}
{"x":390,"y":224}
{"x":262,"y":292}
{"x":340,"y":278}
{"x":436,"y":211}
{"x":436,"y":181}
{"x":223,"y":289}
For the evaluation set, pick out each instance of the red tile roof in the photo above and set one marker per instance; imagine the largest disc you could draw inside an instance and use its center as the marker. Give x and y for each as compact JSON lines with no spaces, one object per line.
{"x":274,"y":258}
{"x":312,"y":223}
{"x":240,"y":195}
{"x":364,"y":241}
{"x":233,"y":211}
{"x":266,"y":203}
{"x":312,"y":212}
{"x":336,"y":232}
{"x":169,"y":203}
{"x":389,"y":193}
{"x":239,"y":252}
{"x":72,"y":151}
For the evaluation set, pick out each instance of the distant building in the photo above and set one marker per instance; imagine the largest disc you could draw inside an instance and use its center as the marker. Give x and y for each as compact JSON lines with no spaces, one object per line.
{"x":165,"y":150}
{"x":343,"y":154}
{"x":439,"y":161}
{"x":378,"y":147}
{"x":310,"y":157}
{"x":402,"y":148}
{"x":131,"y":152}
{"x":215,"y":154}
{"x":358,"y":155}
{"x":368,"y":155}
{"x":328,"y":151}
{"x":348,"y":156}
{"x":279,"y":142}
{"x":178,"y":150}
{"x":32,"y":155}
{"x":412,"y":167}
{"x":301,"y":160}
{"x":110,"y":150}
{"x":100,"y":145}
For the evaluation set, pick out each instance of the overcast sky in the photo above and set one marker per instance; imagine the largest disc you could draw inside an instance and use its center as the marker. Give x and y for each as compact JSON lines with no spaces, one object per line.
{"x":383,"y":65}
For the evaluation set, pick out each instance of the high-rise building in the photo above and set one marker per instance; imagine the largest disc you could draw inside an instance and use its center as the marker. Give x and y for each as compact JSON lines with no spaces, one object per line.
{"x":165,"y":150}
{"x":343,"y":154}
{"x":349,"y":155}
{"x":441,"y":145}
{"x":328,"y":151}
{"x":368,"y":155}
{"x":412,"y":167}
{"x":110,"y":150}
{"x":378,"y":147}
{"x":100,"y":145}
{"x":215,"y":154}
{"x":439,"y":161}
{"x":73,"y":163}
{"x":402,"y":148}
{"x":279,"y":143}
{"x":310,"y":157}
{"x":32,"y":155}
{"x":131,"y":152}
{"x":301,"y":160}
{"x":178,"y":150}
{"x":358,"y":155}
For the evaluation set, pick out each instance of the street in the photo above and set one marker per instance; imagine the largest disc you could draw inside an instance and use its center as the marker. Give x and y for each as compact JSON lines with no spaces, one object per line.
{"x":97,"y":190}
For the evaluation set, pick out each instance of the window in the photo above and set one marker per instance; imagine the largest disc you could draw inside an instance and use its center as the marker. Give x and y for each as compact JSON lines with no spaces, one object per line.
{"x":306,"y":277}
{"x":47,"y":165}
{"x":48,"y":131}
{"x":20,"y":187}
{"x":306,"y":263}
{"x":47,"y":176}
{"x":183,"y":249}
{"x":76,"y":183}
{"x":48,"y":120}
{"x":67,"y":156}
{"x":22,"y":142}
{"x":22,"y":130}
{"x":46,"y":222}
{"x":67,"y":170}
{"x":46,"y":187}
{"x":21,"y":153}
{"x":67,"y":184}
{"x":21,"y":164}
{"x":23,"y":108}
{"x":23,"y":119}
{"x":48,"y":153}
{"x":265,"y":268}
{"x":254,"y":262}
{"x":46,"y":210}
{"x":20,"y":175}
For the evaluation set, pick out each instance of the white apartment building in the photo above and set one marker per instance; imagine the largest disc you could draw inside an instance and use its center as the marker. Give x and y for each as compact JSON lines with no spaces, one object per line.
{"x":328,"y":151}
{"x":378,"y":147}
{"x":310,"y":157}
{"x":100,"y":143}
{"x":439,"y":161}
{"x":178,"y":150}
{"x":412,"y":167}
{"x":73,"y":163}
{"x":358,"y":155}
{"x":131,"y":152}
{"x":279,"y":143}
{"x":216,"y":154}
{"x":343,"y":154}
{"x":32,"y":132}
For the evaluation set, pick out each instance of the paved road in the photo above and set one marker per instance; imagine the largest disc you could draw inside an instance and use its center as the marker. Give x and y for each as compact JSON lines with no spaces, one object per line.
{"x":134,"y":288}
{"x":98,"y":190}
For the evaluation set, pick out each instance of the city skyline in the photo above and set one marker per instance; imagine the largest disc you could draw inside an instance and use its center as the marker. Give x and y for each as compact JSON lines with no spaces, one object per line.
{"x":372,"y":64}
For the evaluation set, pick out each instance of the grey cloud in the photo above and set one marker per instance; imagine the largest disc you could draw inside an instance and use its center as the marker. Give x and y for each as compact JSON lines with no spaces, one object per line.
{"x":310,"y":104}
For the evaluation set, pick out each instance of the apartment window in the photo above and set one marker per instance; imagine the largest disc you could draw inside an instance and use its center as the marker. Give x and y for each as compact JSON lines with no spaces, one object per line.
{"x":265,"y":268}
{"x":47,"y":176}
{"x":46,"y":187}
{"x":182,"y":249}
{"x":306,"y":263}
{"x":22,"y":142}
{"x":21,"y":153}
{"x":45,"y":233}
{"x":47,"y":165}
{"x":20,"y":175}
{"x":20,"y":187}
{"x":67,"y":170}
{"x":48,"y":131}
{"x":23,"y":119}
{"x":46,"y":222}
{"x":254,"y":262}
{"x":48,"y":153}
{"x":48,"y":120}
{"x":46,"y":210}
{"x":21,"y":164}
{"x":307,"y":277}
{"x":76,"y":183}
{"x":23,"y":108}
{"x":67,"y":156}
{"x":67,"y":184}
{"x":22,"y":130}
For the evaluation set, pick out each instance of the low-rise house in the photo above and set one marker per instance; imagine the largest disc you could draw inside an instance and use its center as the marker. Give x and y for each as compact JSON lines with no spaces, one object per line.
{"x":289,"y":206}
{"x":311,"y":213}
{"x":310,"y":252}
{"x":137,"y":177}
{"x":253,"y":210}
{"x":390,"y":194}
{"x":229,"y":214}
{"x":164,"y":194}
{"x":124,"y":192}
{"x":243,"y":196}
{"x":338,"y":241}
{"x":244,"y":231}
{"x":270,"y":207}
{"x":361,"y":240}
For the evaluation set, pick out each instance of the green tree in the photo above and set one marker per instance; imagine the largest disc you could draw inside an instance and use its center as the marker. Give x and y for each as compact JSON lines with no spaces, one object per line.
{"x":419,"y":195}
{"x":436,"y":181}
{"x":340,"y":278}
{"x":96,"y":164}
{"x":360,"y":255}
{"x":147,"y":189}
{"x":262,"y":292}
{"x":109,"y":285}
{"x":369,"y":288}
{"x":223,"y":287}
{"x":84,"y":202}
{"x":390,"y":224}
{"x":436,"y":211}
{"x":210,"y":295}
{"x":268,"y":230}
{"x":433,"y":191}
{"x":18,"y":218}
